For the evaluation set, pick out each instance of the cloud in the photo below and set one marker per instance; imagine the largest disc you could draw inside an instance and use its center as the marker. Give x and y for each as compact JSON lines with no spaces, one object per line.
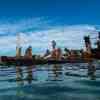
{"x":22,"y":25}
{"x":39,"y":33}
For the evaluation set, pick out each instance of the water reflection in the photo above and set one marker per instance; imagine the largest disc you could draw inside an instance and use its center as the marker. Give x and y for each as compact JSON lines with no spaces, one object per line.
{"x":91,"y":71}
{"x":19,"y":75}
{"x":56,"y":73}
{"x":29,"y":74}
{"x":19,"y":80}
{"x":60,"y":85}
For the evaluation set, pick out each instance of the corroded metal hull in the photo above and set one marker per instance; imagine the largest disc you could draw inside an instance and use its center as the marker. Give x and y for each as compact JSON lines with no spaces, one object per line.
{"x":26,"y":62}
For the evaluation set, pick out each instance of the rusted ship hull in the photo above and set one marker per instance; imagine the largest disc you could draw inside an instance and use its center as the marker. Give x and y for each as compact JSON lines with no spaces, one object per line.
{"x":27,"y":62}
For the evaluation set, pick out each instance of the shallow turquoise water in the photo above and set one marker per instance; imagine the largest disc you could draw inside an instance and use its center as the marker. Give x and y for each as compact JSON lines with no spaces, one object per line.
{"x":49,"y":82}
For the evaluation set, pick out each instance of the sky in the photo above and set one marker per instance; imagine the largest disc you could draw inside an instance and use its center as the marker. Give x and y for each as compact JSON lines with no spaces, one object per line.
{"x":41,"y":21}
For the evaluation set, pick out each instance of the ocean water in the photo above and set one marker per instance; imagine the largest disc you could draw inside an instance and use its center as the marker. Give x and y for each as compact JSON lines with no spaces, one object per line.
{"x":49,"y":82}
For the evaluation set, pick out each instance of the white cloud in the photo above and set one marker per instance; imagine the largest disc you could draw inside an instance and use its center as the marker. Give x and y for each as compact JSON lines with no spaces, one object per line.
{"x":11,"y":28}
{"x":66,"y":36}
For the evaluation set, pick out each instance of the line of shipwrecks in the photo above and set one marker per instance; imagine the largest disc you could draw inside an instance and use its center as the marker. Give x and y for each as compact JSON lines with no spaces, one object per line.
{"x":55,"y":56}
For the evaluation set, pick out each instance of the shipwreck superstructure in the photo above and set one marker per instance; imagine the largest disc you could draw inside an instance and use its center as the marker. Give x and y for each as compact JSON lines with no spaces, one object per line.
{"x":56,"y":55}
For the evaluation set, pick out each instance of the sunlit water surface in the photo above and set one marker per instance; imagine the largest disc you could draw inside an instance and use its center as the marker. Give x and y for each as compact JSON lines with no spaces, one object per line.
{"x":49,"y":82}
